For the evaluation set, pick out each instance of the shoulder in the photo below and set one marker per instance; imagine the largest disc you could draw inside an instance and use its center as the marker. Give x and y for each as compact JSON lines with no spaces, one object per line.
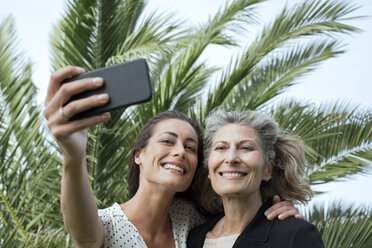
{"x":291,"y":223}
{"x":184,"y":217}
{"x":184,"y":212}
{"x":107,"y":214}
{"x":295,"y":232}
{"x":119,"y":231}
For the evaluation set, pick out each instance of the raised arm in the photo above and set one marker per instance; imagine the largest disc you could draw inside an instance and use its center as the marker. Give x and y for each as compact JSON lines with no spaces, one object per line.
{"x":79,"y":208}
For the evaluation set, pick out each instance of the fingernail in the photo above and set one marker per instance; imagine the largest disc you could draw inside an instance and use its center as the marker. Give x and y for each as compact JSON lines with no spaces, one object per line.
{"x":103,"y":97}
{"x":97,"y":81}
{"x":266,"y":213}
{"x":280,"y":217}
{"x":106,"y":116}
{"x":80,"y":69}
{"x":270,"y":216}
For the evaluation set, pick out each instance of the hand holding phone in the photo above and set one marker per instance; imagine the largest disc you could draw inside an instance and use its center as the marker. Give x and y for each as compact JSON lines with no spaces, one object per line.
{"x":126,"y":84}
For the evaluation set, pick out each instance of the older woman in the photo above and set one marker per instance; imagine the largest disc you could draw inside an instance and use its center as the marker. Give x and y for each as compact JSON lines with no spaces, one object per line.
{"x":165,"y":156}
{"x":248,"y":162}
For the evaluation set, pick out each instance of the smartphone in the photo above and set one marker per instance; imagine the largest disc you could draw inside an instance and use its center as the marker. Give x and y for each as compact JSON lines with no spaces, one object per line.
{"x":126,"y":84}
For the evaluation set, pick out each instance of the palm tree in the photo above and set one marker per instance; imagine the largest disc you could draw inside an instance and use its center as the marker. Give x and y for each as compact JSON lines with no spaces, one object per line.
{"x":93,"y":34}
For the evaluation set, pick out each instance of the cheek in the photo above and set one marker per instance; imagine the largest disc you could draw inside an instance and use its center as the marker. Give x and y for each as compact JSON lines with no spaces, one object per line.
{"x":213,"y":164}
{"x":213,"y":161}
{"x":256,"y":160}
{"x":258,"y":167}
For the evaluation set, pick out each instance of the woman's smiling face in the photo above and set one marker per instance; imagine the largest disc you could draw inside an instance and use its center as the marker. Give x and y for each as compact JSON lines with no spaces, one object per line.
{"x":236,"y":162}
{"x":170,"y":157}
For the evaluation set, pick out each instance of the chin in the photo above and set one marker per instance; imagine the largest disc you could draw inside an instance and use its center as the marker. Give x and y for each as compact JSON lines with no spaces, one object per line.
{"x":177,"y":186}
{"x":227,"y":192}
{"x":234,"y":192}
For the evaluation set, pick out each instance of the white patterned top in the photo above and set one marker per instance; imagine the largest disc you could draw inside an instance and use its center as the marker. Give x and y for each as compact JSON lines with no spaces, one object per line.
{"x":121,"y":233}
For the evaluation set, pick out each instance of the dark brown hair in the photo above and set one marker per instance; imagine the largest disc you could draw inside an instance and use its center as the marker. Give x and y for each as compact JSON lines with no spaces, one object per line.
{"x":141,"y":142}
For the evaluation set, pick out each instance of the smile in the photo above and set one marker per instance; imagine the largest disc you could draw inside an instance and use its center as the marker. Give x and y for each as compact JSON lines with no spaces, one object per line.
{"x":232,"y":174}
{"x":174,"y":167}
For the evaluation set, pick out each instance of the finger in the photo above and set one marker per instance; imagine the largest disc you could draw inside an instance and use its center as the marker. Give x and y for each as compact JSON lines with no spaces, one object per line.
{"x":81,"y":105}
{"x":281,"y":210}
{"x":300,"y":216}
{"x":277,"y":206}
{"x":287,"y":214}
{"x":65,"y":92}
{"x":69,"y":89}
{"x":61,"y":131}
{"x":276,"y":199}
{"x":57,"y":77}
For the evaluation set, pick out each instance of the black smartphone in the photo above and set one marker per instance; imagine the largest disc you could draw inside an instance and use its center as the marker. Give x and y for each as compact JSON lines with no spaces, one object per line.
{"x":126,"y":84}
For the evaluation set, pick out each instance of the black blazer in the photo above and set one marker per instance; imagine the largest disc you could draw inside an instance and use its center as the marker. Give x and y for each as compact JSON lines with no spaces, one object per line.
{"x":260,"y":233}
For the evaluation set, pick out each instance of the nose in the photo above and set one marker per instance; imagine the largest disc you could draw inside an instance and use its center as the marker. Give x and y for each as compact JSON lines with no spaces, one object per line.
{"x":179,"y":150}
{"x":232,"y":156}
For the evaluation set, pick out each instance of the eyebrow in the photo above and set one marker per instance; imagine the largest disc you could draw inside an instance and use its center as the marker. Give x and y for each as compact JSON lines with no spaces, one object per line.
{"x":176,"y":136}
{"x":240,"y":142}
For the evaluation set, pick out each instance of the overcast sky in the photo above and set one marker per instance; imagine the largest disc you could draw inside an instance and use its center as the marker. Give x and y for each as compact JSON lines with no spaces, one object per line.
{"x":346,"y":77}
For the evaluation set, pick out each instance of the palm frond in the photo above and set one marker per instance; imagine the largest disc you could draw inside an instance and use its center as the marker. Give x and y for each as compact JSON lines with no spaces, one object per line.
{"x":184,"y":64}
{"x":349,"y":150}
{"x":45,"y":238}
{"x":153,"y":37}
{"x":24,"y":150}
{"x":342,"y":226}
{"x":338,"y":137}
{"x":92,"y":31}
{"x":309,"y":19}
{"x":278,"y":72}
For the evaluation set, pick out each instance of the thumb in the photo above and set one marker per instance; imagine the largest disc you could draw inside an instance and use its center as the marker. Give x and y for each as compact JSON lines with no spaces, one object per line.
{"x":276,"y":199}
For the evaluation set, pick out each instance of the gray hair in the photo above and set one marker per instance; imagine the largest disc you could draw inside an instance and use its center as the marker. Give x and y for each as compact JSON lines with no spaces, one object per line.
{"x":266,"y":128}
{"x":286,"y":152}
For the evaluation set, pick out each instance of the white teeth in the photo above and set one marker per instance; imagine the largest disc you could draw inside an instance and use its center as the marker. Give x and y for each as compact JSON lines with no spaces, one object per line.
{"x":232,"y":174}
{"x":174,"y":167}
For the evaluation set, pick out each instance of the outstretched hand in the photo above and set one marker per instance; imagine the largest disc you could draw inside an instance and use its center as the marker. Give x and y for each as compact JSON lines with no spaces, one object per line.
{"x":72,"y":135}
{"x":282,"y":210}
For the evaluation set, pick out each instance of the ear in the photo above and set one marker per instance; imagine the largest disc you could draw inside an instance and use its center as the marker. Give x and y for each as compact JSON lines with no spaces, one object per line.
{"x":137,"y":157}
{"x":268,"y":171}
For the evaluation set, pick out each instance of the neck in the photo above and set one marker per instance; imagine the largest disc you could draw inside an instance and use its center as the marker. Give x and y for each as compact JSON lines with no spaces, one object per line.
{"x":148,"y":210}
{"x":239,"y":212}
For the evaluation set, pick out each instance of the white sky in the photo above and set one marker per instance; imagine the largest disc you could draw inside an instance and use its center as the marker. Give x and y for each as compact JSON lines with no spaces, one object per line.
{"x":345,"y":77}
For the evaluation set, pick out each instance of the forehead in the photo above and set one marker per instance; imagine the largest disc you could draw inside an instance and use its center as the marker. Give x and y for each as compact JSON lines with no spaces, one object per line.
{"x":179,"y":127}
{"x":235,"y":132}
